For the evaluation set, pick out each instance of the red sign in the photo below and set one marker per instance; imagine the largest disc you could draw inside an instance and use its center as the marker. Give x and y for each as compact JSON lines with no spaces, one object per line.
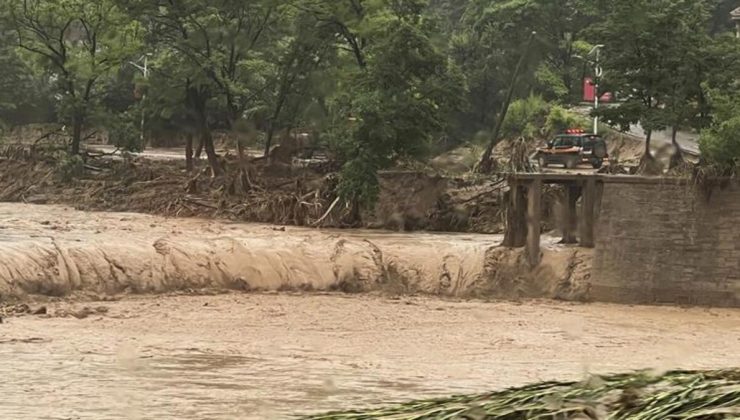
{"x":589,"y":91}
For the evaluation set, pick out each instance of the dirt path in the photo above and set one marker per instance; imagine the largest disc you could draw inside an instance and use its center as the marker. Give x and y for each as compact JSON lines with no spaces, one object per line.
{"x":270,"y":356}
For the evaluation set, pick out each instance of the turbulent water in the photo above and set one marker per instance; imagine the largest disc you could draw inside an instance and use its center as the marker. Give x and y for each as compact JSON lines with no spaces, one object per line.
{"x":55,"y":251}
{"x":273,"y":356}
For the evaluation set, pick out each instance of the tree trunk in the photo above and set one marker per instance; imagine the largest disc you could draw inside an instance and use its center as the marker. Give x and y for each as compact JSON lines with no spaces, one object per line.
{"x":484,"y":166}
{"x":648,"y":164}
{"x":677,"y":156}
{"x":199,"y":149}
{"x":648,"y":136}
{"x":275,"y":115}
{"x":189,"y":152}
{"x":207,"y":141}
{"x":268,"y":141}
{"x":76,"y":134}
{"x":239,"y":149}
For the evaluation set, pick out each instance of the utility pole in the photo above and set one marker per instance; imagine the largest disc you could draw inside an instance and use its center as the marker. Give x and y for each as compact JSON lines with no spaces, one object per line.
{"x":145,"y":71}
{"x":598,"y":72}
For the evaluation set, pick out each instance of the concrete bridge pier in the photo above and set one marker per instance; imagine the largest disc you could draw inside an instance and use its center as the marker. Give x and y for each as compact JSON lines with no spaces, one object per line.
{"x":524,"y":216}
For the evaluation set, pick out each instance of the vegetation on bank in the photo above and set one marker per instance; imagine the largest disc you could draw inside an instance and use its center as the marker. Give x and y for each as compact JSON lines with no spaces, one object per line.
{"x":639,"y":396}
{"x":372,"y":81}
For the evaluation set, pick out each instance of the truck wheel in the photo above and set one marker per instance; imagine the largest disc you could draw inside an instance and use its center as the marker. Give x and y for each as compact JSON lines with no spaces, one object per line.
{"x":542,"y":161}
{"x":571,"y":163}
{"x":597,"y":163}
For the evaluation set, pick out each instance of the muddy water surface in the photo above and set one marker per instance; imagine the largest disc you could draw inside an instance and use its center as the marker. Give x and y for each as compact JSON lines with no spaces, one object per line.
{"x":272,"y":356}
{"x":56,"y":250}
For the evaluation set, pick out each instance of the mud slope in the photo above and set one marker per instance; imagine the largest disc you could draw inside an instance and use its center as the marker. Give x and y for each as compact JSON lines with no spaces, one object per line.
{"x":55,"y":251}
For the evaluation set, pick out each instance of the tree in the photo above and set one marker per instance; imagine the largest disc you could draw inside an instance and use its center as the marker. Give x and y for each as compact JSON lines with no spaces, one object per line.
{"x":651,"y":52}
{"x":217,"y":45}
{"x":308,"y":47}
{"x":395,"y":101}
{"x":491,"y":37}
{"x":25,"y":95}
{"x":720,"y":142}
{"x":79,"y":43}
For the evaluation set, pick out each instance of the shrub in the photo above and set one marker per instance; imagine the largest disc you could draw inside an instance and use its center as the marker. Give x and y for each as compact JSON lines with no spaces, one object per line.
{"x":70,"y":167}
{"x":720,"y":144}
{"x":524,"y":117}
{"x":559,"y":119}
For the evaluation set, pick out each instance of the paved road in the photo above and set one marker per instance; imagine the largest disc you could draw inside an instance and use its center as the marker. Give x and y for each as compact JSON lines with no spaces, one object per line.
{"x":689,"y":142}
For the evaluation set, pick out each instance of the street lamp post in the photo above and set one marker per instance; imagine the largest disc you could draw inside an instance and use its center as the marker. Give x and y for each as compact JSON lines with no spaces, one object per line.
{"x":145,"y":71}
{"x":598,"y":72}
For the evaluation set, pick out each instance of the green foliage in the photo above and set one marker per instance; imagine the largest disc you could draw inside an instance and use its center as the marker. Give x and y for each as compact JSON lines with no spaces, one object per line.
{"x":560,"y":119}
{"x":655,"y":55}
{"x":70,"y":168}
{"x":376,"y":80}
{"x":525,"y":118}
{"x":24,"y":96}
{"x":79,"y":43}
{"x":720,"y":145}
{"x":551,"y":83}
{"x":359,"y":181}
{"x":635,"y":396}
{"x":394,"y":104}
{"x":124,"y":133}
{"x":490,"y":39}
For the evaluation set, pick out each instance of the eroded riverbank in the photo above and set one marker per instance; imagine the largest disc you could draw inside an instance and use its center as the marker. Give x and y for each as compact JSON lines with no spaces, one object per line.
{"x":270,"y":356}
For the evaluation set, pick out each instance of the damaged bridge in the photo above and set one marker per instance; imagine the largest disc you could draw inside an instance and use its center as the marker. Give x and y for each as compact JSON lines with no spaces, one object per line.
{"x":656,"y":239}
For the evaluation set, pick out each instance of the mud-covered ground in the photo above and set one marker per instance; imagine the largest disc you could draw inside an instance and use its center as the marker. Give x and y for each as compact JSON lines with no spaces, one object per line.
{"x":254,"y":192}
{"x":270,"y":356}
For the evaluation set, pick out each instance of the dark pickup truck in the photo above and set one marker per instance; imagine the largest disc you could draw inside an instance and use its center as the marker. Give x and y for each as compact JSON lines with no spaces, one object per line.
{"x":573,"y":148}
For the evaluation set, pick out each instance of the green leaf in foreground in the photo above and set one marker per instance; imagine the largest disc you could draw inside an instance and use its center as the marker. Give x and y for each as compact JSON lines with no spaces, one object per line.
{"x":640,"y":396}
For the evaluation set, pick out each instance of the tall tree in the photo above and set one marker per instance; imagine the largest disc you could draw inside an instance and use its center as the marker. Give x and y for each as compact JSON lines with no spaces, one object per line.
{"x":307,"y":47}
{"x":395,"y":100}
{"x":489,"y":42}
{"x":25,"y":94}
{"x":645,"y":42}
{"x":80,"y":43}
{"x":219,"y":48}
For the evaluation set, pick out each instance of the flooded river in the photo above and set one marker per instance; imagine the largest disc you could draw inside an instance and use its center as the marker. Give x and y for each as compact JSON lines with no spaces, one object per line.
{"x":258,"y":355}
{"x":273,"y":356}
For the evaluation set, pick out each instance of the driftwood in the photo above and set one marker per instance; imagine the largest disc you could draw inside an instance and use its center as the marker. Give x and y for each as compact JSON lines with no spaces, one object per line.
{"x":331,"y":208}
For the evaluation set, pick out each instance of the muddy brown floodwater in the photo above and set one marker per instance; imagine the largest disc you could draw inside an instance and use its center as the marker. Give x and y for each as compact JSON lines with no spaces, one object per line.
{"x":258,"y":355}
{"x":272,"y":356}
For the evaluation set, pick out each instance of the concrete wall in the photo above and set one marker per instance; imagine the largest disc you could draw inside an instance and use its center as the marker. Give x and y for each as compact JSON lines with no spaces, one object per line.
{"x":658,"y":243}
